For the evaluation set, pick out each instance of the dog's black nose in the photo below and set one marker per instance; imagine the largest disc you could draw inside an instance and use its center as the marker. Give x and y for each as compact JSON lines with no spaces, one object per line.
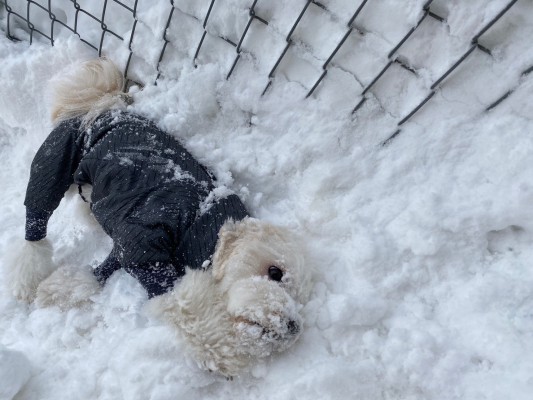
{"x":293,"y":327}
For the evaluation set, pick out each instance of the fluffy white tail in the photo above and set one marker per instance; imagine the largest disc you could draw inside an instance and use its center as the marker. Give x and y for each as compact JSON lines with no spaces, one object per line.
{"x":87,"y":91}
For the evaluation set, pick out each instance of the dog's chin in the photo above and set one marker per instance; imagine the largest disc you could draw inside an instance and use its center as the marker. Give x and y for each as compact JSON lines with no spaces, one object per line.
{"x":261,"y":340}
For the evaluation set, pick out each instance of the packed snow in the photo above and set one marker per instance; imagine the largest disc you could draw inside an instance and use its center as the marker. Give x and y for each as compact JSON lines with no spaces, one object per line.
{"x":423,"y":248}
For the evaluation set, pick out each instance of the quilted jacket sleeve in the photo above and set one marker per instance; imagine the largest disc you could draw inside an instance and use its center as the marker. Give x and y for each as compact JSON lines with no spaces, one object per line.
{"x":52,"y":172}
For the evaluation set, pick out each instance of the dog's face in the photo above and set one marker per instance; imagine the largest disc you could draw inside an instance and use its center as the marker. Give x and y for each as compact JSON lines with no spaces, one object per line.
{"x":260,"y":270}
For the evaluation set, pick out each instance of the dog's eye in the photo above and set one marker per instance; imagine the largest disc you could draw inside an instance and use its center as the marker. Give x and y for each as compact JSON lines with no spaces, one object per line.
{"x":275,"y":273}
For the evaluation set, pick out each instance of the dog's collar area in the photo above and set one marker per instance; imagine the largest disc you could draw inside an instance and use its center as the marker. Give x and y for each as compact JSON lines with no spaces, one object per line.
{"x":198,"y":244}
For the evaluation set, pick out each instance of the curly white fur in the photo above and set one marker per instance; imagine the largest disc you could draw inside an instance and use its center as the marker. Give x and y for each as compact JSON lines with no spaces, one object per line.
{"x":27,"y":266}
{"x":68,"y":287}
{"x":233,"y":314}
{"x":88,"y":90}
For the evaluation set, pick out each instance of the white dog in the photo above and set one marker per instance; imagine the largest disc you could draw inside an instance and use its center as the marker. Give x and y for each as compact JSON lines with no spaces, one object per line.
{"x":232,"y":285}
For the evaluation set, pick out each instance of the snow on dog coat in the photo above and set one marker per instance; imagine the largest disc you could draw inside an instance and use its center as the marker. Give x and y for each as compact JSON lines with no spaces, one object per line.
{"x":149,"y":195}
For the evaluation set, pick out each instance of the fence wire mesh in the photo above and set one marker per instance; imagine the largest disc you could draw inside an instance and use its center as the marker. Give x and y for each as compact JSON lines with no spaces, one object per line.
{"x":117,"y":23}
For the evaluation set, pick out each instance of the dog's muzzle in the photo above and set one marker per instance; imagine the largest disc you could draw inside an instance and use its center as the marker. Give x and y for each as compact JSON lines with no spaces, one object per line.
{"x":280,"y":332}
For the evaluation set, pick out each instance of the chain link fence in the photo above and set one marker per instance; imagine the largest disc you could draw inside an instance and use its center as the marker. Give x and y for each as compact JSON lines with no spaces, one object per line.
{"x":298,"y":39}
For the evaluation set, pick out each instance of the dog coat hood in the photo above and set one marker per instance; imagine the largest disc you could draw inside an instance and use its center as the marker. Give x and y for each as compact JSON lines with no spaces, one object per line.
{"x":149,"y":194}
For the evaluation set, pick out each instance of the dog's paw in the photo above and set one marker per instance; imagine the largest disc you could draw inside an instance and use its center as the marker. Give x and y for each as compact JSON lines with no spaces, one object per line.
{"x":27,"y":267}
{"x":68,"y":287}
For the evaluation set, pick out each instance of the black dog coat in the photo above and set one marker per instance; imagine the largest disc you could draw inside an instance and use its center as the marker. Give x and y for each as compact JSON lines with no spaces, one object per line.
{"x":149,"y":195}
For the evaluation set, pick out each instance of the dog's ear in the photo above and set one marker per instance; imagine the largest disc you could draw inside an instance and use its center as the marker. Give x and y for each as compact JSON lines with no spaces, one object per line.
{"x":227,"y":237}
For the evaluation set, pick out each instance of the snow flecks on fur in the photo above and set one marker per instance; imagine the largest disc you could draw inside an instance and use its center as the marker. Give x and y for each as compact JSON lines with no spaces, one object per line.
{"x":261,"y":331}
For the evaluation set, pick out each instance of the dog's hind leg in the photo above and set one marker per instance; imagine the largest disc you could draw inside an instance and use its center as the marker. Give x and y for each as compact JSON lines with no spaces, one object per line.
{"x":111,"y":264}
{"x":156,"y":277}
{"x":71,"y":287}
{"x":27,"y":266}
{"x":68,"y":287}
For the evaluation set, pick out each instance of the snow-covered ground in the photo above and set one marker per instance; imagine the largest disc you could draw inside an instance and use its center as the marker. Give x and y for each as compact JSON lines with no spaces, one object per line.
{"x":424,"y":247}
